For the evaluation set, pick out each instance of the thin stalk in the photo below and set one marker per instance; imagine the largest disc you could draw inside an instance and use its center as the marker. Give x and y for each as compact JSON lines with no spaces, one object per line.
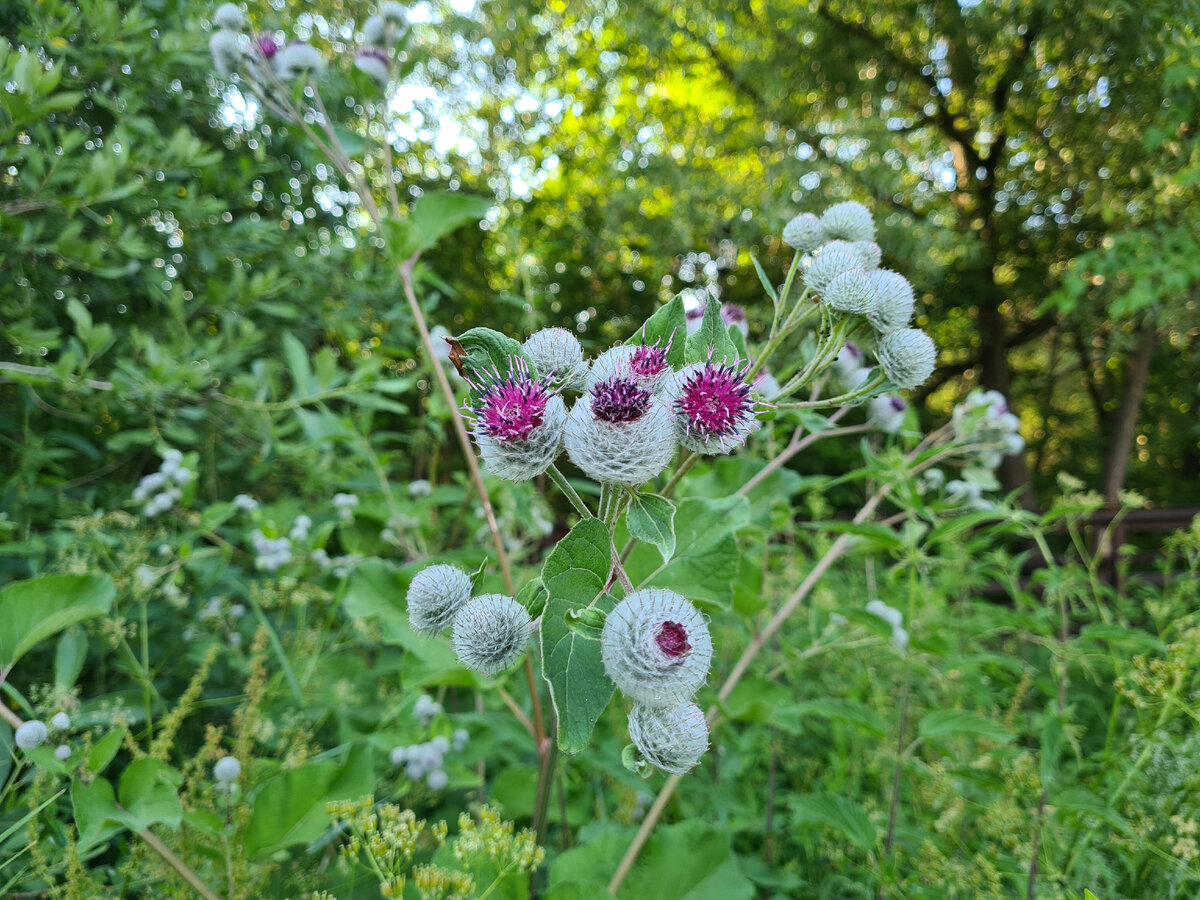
{"x":185,"y":871}
{"x":605,"y":503}
{"x":146,"y":688}
{"x":545,"y":788}
{"x":677,"y":476}
{"x":569,"y":492}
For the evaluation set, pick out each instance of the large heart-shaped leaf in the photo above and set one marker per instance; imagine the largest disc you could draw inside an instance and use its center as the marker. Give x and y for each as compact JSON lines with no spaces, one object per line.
{"x":32,"y":611}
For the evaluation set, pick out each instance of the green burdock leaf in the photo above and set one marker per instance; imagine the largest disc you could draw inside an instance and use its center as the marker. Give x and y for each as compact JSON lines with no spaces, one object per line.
{"x":31,"y":611}
{"x":651,"y":519}
{"x":944,"y":723}
{"x":839,"y":813}
{"x":433,"y":216}
{"x":485,"y":350}
{"x":714,"y":335}
{"x":669,"y":323}
{"x":575,"y":576}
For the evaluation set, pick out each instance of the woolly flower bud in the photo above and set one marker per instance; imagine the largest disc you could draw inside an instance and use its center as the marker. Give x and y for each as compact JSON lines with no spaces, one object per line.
{"x":490,"y":633}
{"x":227,"y":769}
{"x":656,"y":647}
{"x":713,"y":408}
{"x":826,"y":266}
{"x":556,"y":352}
{"x":894,"y":301}
{"x":298,"y":58}
{"x":618,"y":433}
{"x":849,"y":221}
{"x":671,"y":738}
{"x":804,"y":233}
{"x":226,"y":50}
{"x":60,"y":721}
{"x":62,"y":752}
{"x":229,"y":17}
{"x":868,"y":253}
{"x":889,"y":614}
{"x":30,"y":735}
{"x":435,"y":595}
{"x":374,"y":63}
{"x":887,"y":412}
{"x":393,"y":13}
{"x":437,"y":780}
{"x":908,"y":357}
{"x":374,"y":31}
{"x":851,"y":292}
{"x":518,"y":424}
{"x":931,"y":480}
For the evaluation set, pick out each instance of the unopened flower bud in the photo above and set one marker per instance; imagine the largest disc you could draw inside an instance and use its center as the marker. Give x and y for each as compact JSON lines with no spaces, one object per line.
{"x":908,"y":357}
{"x":828,"y":265}
{"x":60,"y":721}
{"x":887,"y":412}
{"x":227,"y":769}
{"x":62,"y":752}
{"x":619,"y":433}
{"x":805,"y":233}
{"x":298,"y":58}
{"x":30,"y":735}
{"x":672,"y":738}
{"x":849,"y":221}
{"x":435,"y":595}
{"x":228,"y":16}
{"x":490,"y":633}
{"x":656,"y":647}
{"x":556,"y":353}
{"x":894,"y":301}
{"x":374,"y":63}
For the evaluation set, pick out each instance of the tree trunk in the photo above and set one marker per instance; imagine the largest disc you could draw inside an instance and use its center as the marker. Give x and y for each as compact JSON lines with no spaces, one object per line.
{"x":995,"y":375}
{"x":1120,"y":447}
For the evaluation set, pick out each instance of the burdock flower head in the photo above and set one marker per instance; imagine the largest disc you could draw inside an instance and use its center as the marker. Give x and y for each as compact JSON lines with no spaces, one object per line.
{"x":656,"y":647}
{"x":713,"y":408}
{"x":298,"y":58}
{"x":435,"y":595}
{"x":619,"y":432}
{"x":490,"y":633}
{"x":805,"y":233}
{"x":908,"y":357}
{"x":828,"y":265}
{"x":894,"y":301}
{"x":646,"y":364}
{"x":849,"y":221}
{"x":374,"y":63}
{"x":518,"y":422}
{"x":557,"y":355}
{"x":672,"y":738}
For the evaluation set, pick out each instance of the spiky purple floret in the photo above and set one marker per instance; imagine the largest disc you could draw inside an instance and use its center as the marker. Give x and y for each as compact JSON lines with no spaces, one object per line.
{"x":619,"y":400}
{"x":267,"y":47}
{"x":732,"y":314}
{"x":509,"y":406}
{"x":649,"y":360}
{"x":715,"y":402}
{"x":672,"y":639}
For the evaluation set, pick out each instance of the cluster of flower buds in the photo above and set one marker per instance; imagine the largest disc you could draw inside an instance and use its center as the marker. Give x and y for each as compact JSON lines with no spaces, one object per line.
{"x":984,"y":418}
{"x":633,"y":412}
{"x":657,"y":651}
{"x":426,"y":760}
{"x":271,"y":554}
{"x":491,"y":631}
{"x":893,"y":617}
{"x":842,"y":270}
{"x":161,"y":490}
{"x":345,"y":504}
{"x":32,"y":734}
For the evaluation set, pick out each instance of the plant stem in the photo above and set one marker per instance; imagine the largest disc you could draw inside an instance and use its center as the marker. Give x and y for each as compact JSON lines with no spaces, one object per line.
{"x":669,"y":487}
{"x":569,"y":492}
{"x":545,"y":787}
{"x":185,"y":871}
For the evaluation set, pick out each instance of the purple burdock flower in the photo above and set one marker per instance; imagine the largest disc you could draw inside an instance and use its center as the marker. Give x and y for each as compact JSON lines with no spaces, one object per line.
{"x":649,"y":362}
{"x":619,"y":400}
{"x":265,"y":42}
{"x":374,"y":63}
{"x":713,"y":408}
{"x":646,"y":364}
{"x":656,"y":647}
{"x":734,"y":315}
{"x":518,"y":422}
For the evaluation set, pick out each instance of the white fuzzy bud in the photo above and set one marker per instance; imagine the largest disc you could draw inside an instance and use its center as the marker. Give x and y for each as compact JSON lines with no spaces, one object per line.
{"x":849,"y":221}
{"x":804,"y":233}
{"x":656,"y":647}
{"x":887,"y":412}
{"x":908,"y":357}
{"x":60,"y":721}
{"x":521,"y":460}
{"x":30,"y":735}
{"x":227,"y":769}
{"x":557,"y":352}
{"x":894,"y":301}
{"x":851,"y":292}
{"x":296,"y":59}
{"x":671,"y":738}
{"x":624,"y":453}
{"x":374,"y":64}
{"x":229,"y":16}
{"x":826,"y":266}
{"x":226,"y":49}
{"x":394,"y":13}
{"x":490,"y":633}
{"x":435,"y":595}
{"x":374,"y":31}
{"x":437,"y":780}
{"x":62,"y":752}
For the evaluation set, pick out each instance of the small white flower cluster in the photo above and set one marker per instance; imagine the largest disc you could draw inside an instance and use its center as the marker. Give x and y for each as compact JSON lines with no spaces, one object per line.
{"x":426,"y":760}
{"x":345,"y":504}
{"x":300,"y":526}
{"x":227,"y":770}
{"x":842,"y":269}
{"x":419,"y":488}
{"x":984,"y":418}
{"x":426,"y":710}
{"x":32,"y":734}
{"x":490,"y":631}
{"x":893,"y":617}
{"x":272,"y":553}
{"x":657,"y":650}
{"x":245,"y":503}
{"x":339,"y":566}
{"x":161,"y":490}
